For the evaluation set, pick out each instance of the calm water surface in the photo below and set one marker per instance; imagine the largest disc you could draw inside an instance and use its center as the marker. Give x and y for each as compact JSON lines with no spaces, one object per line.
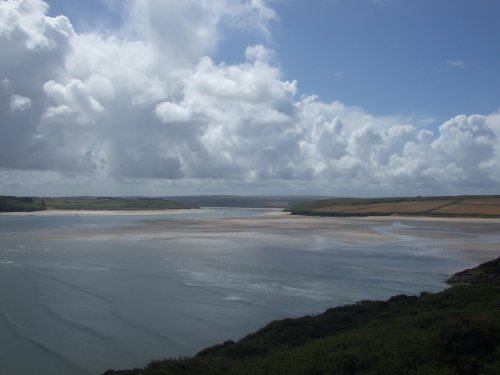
{"x":82,"y":306}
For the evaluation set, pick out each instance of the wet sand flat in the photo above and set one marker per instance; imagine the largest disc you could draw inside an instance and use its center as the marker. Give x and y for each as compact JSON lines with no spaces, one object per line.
{"x":293,"y":231}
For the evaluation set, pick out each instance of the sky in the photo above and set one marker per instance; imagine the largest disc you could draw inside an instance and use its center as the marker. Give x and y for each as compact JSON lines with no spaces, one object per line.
{"x":254,"y":97}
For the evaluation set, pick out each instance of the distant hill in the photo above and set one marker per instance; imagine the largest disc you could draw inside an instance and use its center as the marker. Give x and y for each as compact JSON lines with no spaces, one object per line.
{"x":456,"y":331}
{"x":243,"y":201}
{"x":21,"y":204}
{"x":447,"y":206}
{"x":27,"y":204}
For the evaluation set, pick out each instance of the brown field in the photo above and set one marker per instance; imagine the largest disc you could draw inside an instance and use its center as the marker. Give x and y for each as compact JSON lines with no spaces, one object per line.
{"x":387,"y":208}
{"x":469,"y":209}
{"x":351,"y":207}
{"x":486,"y":201}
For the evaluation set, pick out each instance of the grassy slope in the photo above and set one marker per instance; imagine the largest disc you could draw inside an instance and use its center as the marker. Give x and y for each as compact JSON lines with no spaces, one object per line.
{"x":365,"y":208}
{"x":13,"y":204}
{"x":456,"y":331}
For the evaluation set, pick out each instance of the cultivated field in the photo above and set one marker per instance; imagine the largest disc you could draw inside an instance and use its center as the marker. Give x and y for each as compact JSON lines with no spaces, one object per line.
{"x":390,"y":207}
{"x":470,"y":209}
{"x":462,"y":206}
{"x":488,"y":201}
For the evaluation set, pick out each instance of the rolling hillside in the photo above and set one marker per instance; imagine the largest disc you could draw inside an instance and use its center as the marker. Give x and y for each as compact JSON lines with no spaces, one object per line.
{"x":28,"y":204}
{"x":458,"y":206}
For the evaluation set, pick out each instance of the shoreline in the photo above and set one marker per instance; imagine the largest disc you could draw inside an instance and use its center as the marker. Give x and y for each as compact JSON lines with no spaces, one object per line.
{"x":267,"y":212}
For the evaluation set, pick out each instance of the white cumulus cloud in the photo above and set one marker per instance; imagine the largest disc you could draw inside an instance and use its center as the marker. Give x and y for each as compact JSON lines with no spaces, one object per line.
{"x":19,"y":103}
{"x":147,"y":108}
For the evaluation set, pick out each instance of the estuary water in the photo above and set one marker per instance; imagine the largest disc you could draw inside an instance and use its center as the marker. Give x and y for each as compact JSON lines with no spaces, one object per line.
{"x":82,"y":294}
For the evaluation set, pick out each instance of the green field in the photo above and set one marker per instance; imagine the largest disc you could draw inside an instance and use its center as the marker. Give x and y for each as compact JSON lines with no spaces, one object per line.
{"x":447,"y":206}
{"x":27,"y":204}
{"x":456,"y":331}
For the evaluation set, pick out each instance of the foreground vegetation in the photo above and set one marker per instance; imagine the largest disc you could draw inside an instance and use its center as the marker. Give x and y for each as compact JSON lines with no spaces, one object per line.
{"x":28,"y":204}
{"x":456,"y":331}
{"x":449,"y":206}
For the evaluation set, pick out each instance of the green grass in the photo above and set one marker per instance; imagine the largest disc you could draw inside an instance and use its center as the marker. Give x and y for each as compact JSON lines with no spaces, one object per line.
{"x":456,"y":331}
